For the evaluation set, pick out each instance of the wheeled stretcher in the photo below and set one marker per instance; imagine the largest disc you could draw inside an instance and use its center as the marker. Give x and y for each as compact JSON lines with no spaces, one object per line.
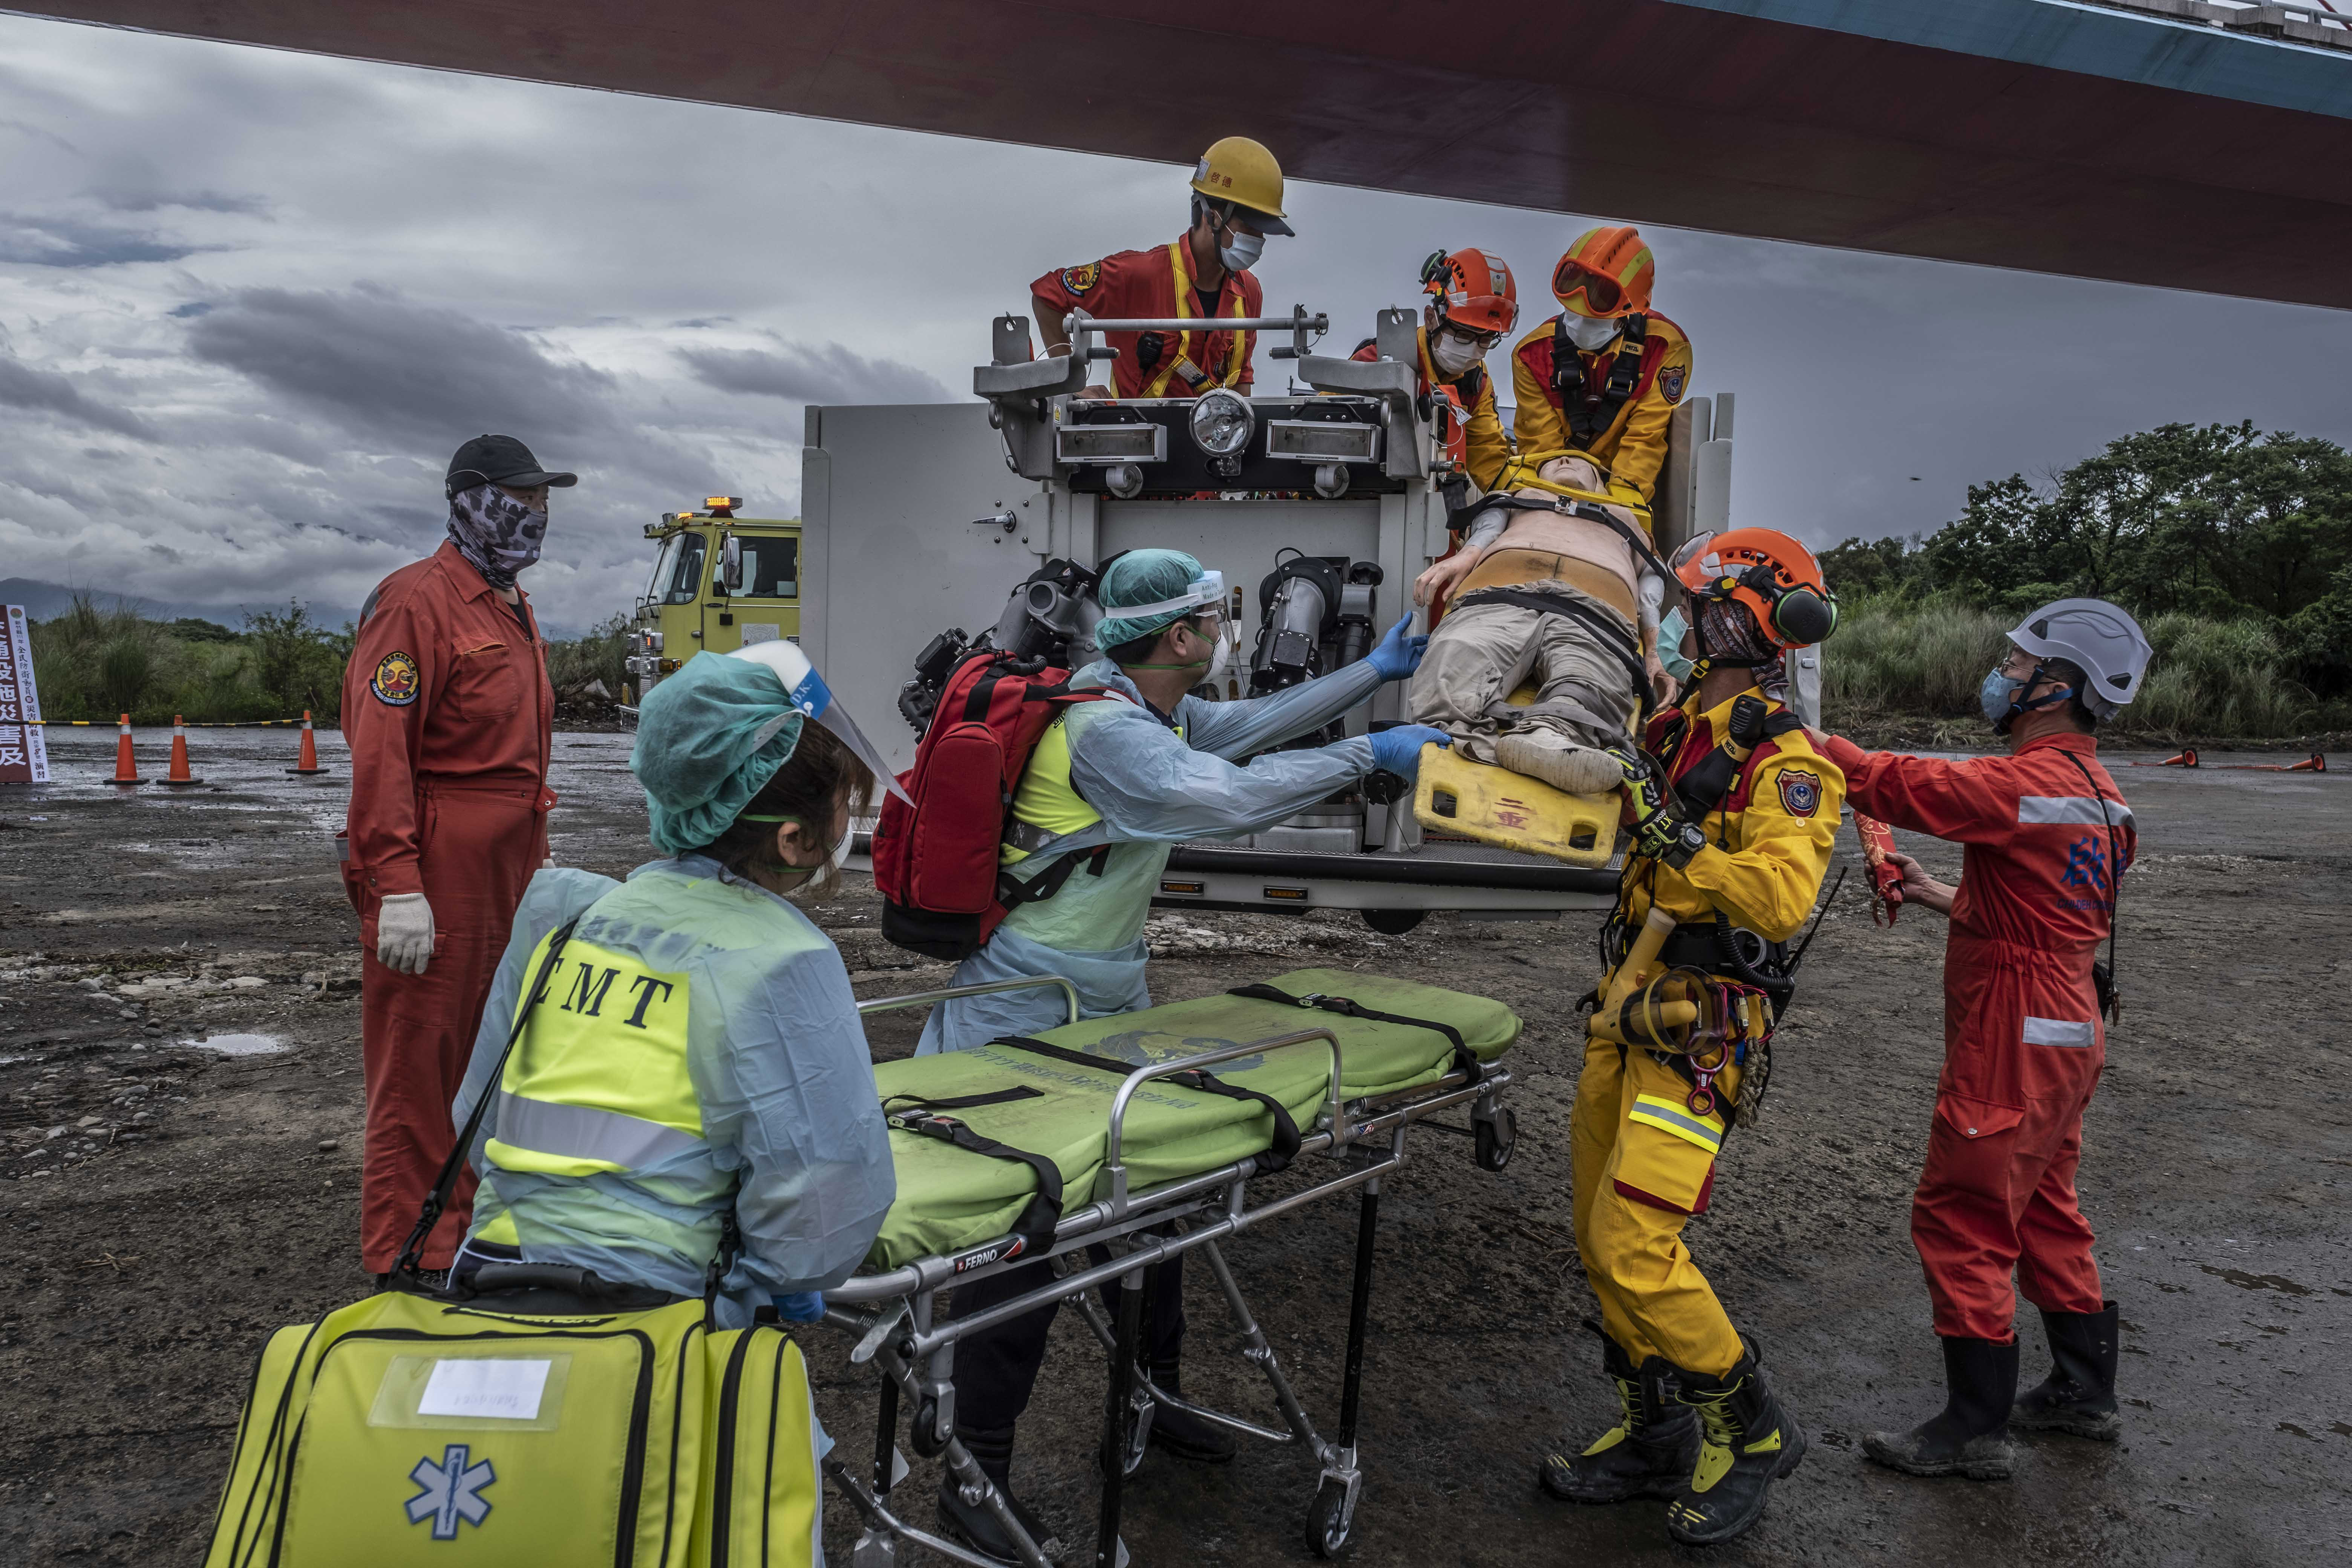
{"x":1153,"y":1126}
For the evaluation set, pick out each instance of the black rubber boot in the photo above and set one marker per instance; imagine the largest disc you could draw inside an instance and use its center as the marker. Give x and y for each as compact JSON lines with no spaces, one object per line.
{"x":1649,"y":1453}
{"x":1180,"y":1432}
{"x":1971,"y":1436}
{"x":1749,"y":1442}
{"x":2078,"y":1397}
{"x":971,"y":1522}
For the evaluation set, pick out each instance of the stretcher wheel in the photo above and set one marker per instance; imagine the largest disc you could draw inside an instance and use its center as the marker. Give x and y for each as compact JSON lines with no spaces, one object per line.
{"x":1496,"y":1140}
{"x":925,"y":1436}
{"x":1330,"y":1520}
{"x":1393,"y":922}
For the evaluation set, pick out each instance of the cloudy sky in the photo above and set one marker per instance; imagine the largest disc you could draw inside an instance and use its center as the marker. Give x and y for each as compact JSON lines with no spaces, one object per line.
{"x":251,"y":301}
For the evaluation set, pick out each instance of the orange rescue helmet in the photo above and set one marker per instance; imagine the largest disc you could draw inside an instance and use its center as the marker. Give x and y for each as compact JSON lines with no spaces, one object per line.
{"x":1773,"y":575}
{"x":1473,"y":288}
{"x":1606,"y":273}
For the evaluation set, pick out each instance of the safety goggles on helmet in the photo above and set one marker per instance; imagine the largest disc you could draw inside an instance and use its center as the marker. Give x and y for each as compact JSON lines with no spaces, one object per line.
{"x":1207,"y":589}
{"x":1743,"y":566}
{"x":1602,"y":295}
{"x":811,"y":699}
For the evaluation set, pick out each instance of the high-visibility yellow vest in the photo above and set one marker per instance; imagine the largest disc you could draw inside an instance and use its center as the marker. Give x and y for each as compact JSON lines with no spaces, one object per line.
{"x":598,"y":1082}
{"x":1182,"y":266}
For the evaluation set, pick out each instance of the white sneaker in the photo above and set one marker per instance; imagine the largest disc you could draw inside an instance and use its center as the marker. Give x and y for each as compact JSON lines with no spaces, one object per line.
{"x":1553,"y":758}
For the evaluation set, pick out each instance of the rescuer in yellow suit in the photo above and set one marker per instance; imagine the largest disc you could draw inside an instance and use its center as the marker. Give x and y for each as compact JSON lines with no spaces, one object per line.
{"x":1602,"y":377}
{"x":1733,"y":818}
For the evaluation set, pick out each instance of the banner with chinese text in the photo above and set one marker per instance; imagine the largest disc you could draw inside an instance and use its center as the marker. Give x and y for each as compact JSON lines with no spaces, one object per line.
{"x":24,"y":750}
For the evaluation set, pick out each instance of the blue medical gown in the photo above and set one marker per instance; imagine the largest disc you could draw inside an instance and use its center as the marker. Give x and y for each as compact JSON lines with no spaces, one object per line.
{"x":1155,"y":786}
{"x":793,"y":1128}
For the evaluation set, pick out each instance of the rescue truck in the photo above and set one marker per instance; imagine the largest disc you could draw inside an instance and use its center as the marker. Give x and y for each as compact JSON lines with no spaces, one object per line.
{"x":930,"y":530}
{"x":719,"y":582}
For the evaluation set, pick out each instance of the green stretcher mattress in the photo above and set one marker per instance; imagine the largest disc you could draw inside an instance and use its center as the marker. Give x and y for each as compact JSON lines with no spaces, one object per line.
{"x":951,"y":1199}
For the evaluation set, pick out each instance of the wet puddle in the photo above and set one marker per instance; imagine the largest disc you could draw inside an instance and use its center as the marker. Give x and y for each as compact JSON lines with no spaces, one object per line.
{"x":239,"y":1044}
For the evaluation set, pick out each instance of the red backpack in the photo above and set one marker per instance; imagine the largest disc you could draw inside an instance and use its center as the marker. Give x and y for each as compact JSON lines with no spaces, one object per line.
{"x":935,"y":862}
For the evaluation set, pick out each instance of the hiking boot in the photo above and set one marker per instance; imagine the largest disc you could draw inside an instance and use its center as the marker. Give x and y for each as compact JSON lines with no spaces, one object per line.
{"x":1747,"y":1442}
{"x":1971,"y":1436}
{"x":1180,"y":1432}
{"x":2078,"y":1397}
{"x":1554,"y":759}
{"x":973,"y":1523}
{"x":1649,"y":1453}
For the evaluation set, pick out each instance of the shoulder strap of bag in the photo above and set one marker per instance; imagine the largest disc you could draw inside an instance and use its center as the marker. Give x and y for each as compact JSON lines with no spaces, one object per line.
{"x":1464,"y":1060}
{"x":428,"y":1215}
{"x":1279,"y":1152}
{"x":2110,"y":1001}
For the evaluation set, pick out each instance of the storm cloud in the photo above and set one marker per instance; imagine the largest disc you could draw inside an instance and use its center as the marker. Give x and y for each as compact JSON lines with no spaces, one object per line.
{"x":47,"y":392}
{"x":802,"y":374}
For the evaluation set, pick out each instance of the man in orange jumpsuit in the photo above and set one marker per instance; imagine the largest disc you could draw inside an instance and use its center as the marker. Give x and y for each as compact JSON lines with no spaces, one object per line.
{"x":1601,"y":378}
{"x":1204,"y":273}
{"x":1475,"y":303}
{"x":447,"y":711}
{"x":2047,"y":837}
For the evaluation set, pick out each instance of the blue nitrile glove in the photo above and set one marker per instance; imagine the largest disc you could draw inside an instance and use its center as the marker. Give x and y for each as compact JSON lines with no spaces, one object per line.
{"x":1398,"y":751}
{"x":800,"y":1307}
{"x":1398,"y":655}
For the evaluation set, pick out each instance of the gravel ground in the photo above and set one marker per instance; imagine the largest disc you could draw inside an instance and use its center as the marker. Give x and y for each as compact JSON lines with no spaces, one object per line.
{"x":168,"y":1202}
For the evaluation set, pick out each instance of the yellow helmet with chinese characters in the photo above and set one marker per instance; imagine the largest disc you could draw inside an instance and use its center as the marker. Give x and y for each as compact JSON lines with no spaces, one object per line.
{"x":1242,"y":171}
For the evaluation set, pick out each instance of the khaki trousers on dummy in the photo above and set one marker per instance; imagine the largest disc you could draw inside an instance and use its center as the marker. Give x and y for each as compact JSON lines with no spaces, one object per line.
{"x":1643,"y":1162}
{"x":1481,"y":653}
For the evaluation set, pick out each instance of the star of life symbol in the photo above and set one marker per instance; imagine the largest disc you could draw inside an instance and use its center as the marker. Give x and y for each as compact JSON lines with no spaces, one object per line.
{"x":453,"y":1491}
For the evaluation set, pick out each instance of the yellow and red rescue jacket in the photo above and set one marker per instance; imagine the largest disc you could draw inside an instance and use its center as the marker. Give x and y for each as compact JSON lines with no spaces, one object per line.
{"x":1475,"y":441}
{"x":1625,"y":435}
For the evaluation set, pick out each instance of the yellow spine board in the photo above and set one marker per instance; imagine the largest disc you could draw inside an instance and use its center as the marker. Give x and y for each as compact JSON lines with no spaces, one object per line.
{"x":1494,"y":806}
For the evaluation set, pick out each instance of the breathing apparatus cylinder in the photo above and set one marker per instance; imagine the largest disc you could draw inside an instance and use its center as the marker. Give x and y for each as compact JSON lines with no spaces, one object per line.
{"x":1049,"y":613}
{"x":1295,"y":602}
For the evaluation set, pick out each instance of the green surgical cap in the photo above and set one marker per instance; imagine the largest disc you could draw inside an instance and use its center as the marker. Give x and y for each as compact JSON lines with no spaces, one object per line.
{"x":1142,"y":577}
{"x":708,"y":738}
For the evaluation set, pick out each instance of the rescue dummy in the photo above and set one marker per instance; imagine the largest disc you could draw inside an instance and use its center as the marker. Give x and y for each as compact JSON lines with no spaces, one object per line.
{"x":1203,"y":273}
{"x":448,"y":712}
{"x":1553,"y":587}
{"x":1733,"y":815}
{"x":1122,"y":781}
{"x":673,"y":1109}
{"x":1474,"y":303}
{"x":2046,"y":838}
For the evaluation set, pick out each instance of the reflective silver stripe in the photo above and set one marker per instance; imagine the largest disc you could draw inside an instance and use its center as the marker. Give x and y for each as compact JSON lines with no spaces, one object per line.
{"x":584,"y":1133}
{"x":2071,"y":808}
{"x":2061,"y":1032}
{"x":1646,"y":1106}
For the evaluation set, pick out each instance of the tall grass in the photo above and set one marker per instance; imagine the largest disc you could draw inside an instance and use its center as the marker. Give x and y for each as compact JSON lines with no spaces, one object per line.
{"x":2216,"y":678}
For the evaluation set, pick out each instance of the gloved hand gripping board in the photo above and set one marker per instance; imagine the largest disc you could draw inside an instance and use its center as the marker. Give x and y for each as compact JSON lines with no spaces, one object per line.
{"x":408,"y":1429}
{"x":951,"y":1199}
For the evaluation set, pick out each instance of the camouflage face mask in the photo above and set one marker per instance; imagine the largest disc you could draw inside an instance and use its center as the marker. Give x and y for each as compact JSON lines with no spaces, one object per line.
{"x":498,"y":535}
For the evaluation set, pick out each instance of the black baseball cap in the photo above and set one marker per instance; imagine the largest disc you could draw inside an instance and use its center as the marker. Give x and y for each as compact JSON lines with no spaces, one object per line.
{"x":500,"y":460}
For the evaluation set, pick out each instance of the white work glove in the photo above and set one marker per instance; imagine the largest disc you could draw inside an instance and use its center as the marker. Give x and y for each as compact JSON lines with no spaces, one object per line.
{"x":404,"y":932}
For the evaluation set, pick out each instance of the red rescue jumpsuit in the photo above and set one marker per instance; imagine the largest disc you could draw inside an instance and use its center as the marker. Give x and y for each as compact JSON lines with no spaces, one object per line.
{"x":2023,"y":1043}
{"x":1156,"y":284}
{"x":447,"y":711}
{"x":1475,"y":438}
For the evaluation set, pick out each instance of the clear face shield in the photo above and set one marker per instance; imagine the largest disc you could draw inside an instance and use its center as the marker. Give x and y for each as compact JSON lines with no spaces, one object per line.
{"x":1204,"y":597}
{"x":813,"y":700}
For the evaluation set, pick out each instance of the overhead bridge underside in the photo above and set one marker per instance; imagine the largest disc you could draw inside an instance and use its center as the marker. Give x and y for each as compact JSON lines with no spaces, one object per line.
{"x":2138,"y":141}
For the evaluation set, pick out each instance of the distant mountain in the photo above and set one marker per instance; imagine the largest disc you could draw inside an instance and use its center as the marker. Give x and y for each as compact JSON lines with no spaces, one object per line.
{"x":44,"y":601}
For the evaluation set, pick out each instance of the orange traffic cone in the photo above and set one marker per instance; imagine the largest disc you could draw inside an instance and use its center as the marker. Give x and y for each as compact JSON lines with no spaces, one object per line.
{"x":2186,"y":759}
{"x":126,"y":767}
{"x":2318,"y":764}
{"x":308,"y":762}
{"x":179,"y":773}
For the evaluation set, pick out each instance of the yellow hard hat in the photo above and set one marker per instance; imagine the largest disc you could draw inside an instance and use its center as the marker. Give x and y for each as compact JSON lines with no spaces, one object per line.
{"x":1243,"y":172}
